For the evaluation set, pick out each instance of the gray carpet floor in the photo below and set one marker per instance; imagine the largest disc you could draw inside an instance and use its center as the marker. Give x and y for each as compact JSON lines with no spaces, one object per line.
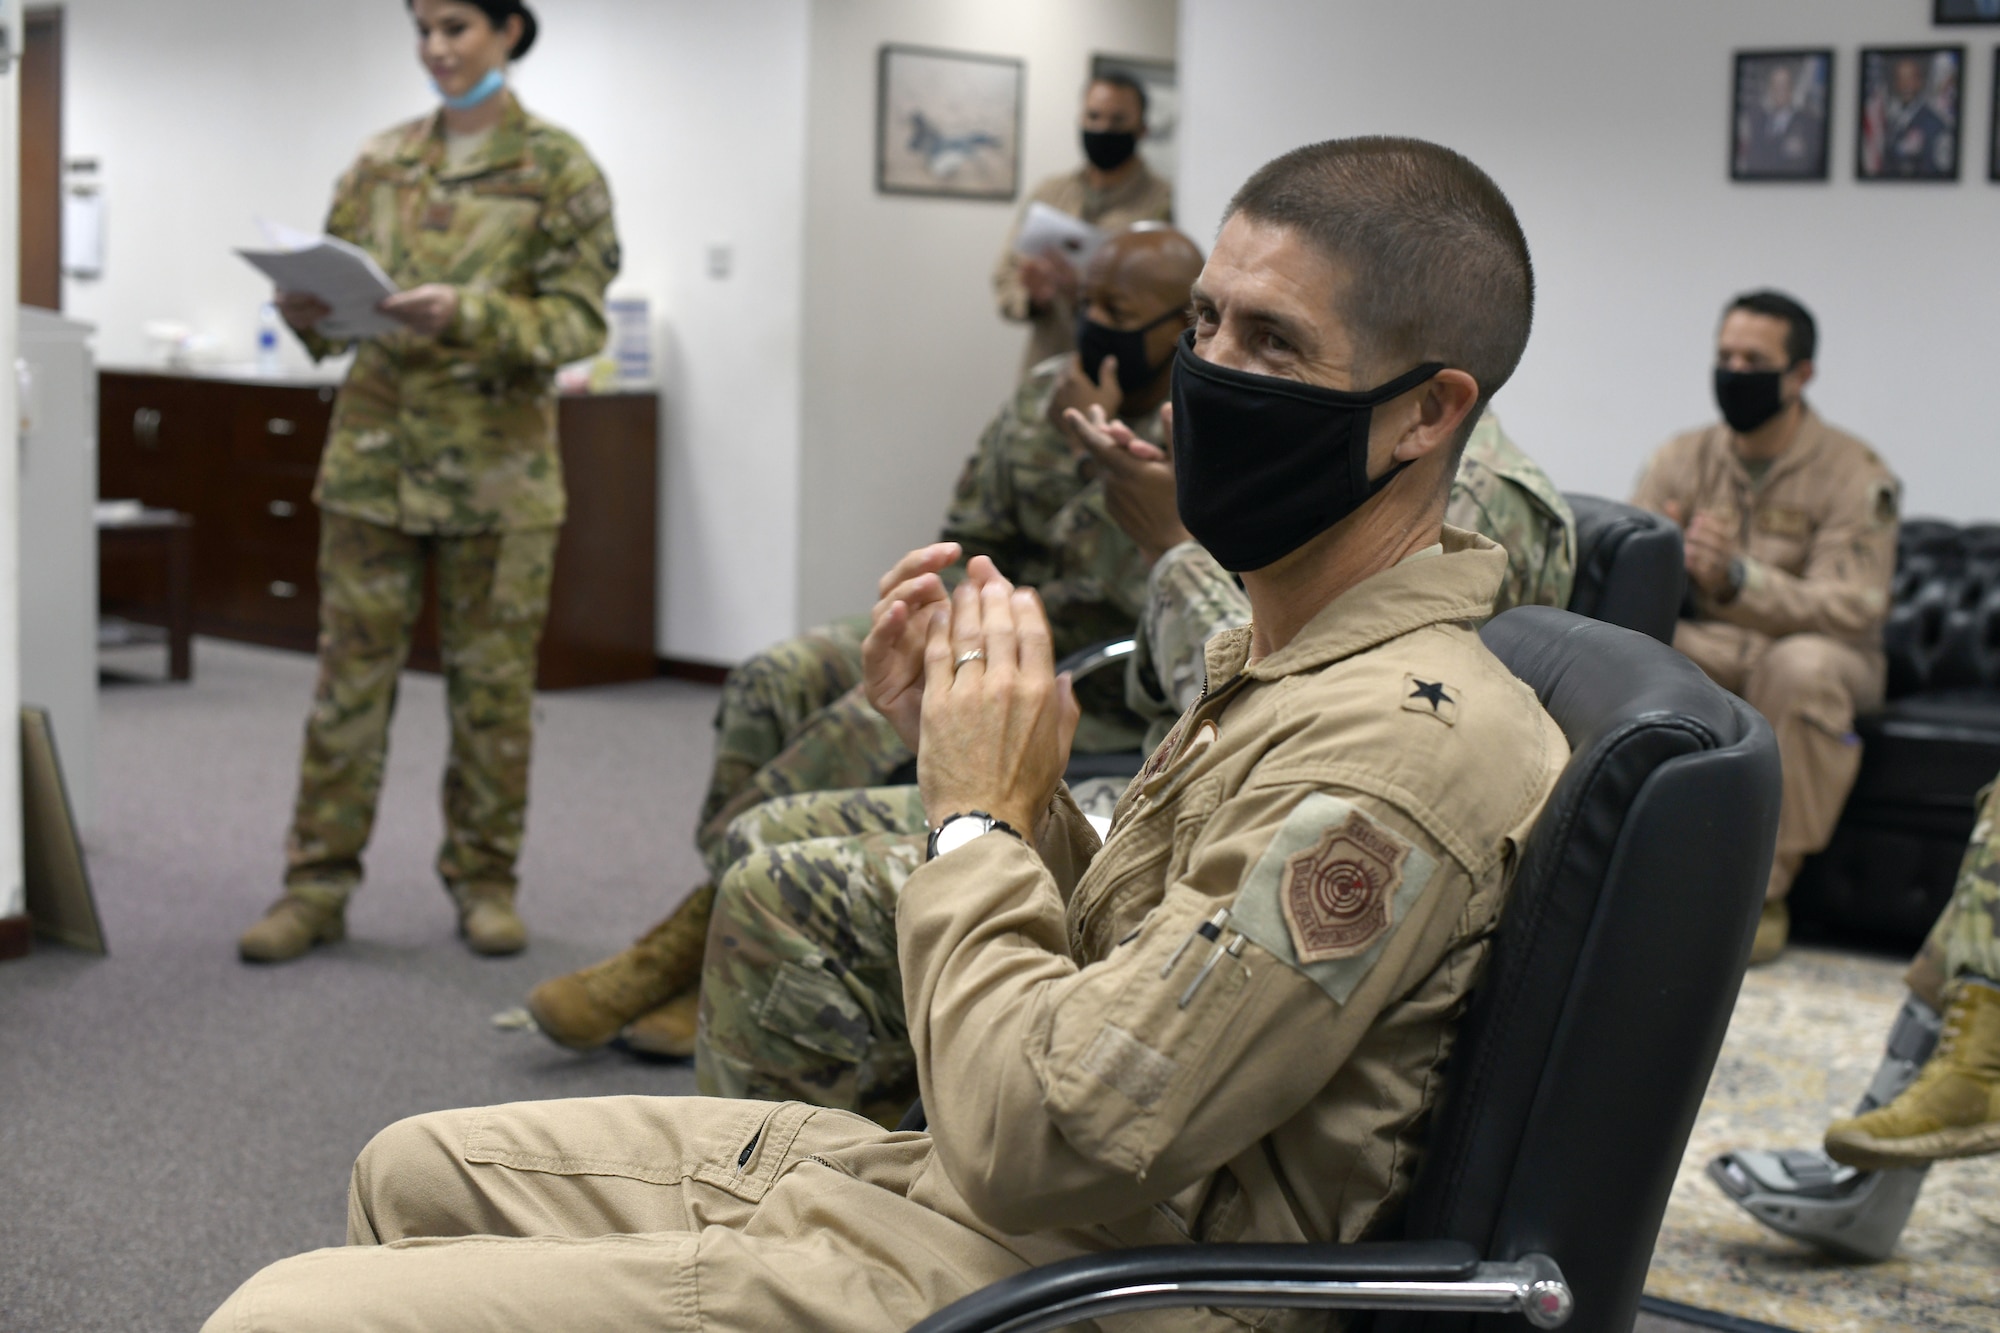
{"x":171,"y":1119}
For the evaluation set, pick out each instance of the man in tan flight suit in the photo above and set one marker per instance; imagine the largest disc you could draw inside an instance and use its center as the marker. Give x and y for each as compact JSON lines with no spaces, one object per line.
{"x":1223,"y":1024}
{"x":1791,"y":545}
{"x":1113,"y":189}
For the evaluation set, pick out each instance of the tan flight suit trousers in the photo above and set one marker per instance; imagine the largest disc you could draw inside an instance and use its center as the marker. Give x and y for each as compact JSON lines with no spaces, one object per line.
{"x":1808,"y":687}
{"x":653,"y":1213}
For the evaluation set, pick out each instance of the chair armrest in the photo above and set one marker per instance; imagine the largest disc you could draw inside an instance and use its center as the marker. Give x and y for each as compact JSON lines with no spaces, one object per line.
{"x":1086,"y":661}
{"x":1400,"y":1275}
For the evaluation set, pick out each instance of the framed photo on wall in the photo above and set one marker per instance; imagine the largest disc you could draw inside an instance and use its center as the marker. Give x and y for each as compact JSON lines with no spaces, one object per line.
{"x":1779,"y":120}
{"x":1911,"y":100}
{"x":1965,"y":11}
{"x":1163,"y":106}
{"x":948,"y":123}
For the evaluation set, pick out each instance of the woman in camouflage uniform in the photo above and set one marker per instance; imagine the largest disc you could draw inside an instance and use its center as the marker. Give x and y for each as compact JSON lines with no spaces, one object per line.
{"x":496,"y":227}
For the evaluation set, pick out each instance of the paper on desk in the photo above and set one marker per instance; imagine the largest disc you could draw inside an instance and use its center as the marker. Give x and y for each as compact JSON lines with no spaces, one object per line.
{"x":1048,"y":230}
{"x":338,"y":272}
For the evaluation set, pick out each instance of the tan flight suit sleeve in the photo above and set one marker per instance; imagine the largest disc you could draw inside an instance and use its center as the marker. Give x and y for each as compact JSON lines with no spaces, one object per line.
{"x":1666,"y":480}
{"x":1060,"y":1095}
{"x":1844,"y":588}
{"x":1010,"y":295}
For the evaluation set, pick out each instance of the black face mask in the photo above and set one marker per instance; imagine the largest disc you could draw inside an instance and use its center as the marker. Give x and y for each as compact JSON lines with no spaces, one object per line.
{"x":1263,"y":465}
{"x":1748,"y":398}
{"x":1109,"y":150}
{"x":1096,"y":341}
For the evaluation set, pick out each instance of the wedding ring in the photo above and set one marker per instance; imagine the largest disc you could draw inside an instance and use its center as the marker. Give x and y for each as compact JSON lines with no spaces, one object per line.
{"x":976,"y":655}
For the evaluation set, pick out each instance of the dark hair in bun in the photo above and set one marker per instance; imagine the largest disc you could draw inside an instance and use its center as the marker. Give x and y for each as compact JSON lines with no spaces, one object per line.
{"x":497,"y":13}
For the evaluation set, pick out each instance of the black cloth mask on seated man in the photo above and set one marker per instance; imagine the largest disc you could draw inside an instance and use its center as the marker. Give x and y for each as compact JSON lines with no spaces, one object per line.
{"x":1096,"y":341}
{"x":1748,"y":398}
{"x":1109,"y":150}
{"x":1262,"y":465}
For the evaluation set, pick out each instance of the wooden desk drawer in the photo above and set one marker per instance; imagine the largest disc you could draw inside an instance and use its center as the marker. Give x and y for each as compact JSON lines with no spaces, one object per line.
{"x":274,"y":588}
{"x":279,"y":425}
{"x":272,"y":507}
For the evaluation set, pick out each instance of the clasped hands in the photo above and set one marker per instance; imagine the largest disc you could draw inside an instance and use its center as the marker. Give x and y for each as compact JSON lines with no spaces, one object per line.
{"x":427,"y":309}
{"x":1709,"y":545}
{"x":991,"y":732}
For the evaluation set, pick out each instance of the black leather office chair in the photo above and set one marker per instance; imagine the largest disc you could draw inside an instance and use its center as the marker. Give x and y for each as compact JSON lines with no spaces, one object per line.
{"x":1629,"y":568}
{"x":1585,"y":1050}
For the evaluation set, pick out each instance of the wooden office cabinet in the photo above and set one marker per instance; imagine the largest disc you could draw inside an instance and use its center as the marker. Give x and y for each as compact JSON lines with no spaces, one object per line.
{"x":240,"y":457}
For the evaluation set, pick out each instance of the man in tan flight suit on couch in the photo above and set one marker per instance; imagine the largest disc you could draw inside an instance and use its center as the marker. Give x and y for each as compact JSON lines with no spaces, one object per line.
{"x":1790,"y":527}
{"x":1227,"y":1022}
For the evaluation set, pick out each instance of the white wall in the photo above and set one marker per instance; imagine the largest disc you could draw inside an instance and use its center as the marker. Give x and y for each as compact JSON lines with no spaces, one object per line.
{"x":1608,"y":125}
{"x":205,"y":116}
{"x":13,"y":896}
{"x":905,"y":358}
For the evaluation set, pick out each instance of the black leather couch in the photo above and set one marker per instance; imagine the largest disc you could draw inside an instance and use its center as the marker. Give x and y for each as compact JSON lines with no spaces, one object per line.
{"x":1890,"y":868}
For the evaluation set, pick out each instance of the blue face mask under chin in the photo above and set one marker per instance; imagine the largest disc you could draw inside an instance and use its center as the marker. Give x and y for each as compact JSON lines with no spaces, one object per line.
{"x":494,"y":81}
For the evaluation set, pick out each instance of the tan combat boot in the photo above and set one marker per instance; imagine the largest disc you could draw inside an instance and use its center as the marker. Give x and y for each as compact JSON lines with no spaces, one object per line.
{"x":667,"y":1031}
{"x":293,"y":925}
{"x":1953,"y":1107}
{"x":586,"y":1009}
{"x":487,"y":921}
{"x":1773,"y":927}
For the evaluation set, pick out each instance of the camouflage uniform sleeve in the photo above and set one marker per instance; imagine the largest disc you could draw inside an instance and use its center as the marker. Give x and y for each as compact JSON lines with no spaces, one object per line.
{"x":562,"y":320}
{"x":980,"y":516}
{"x":343,"y":219}
{"x":1540,"y":546}
{"x":1189,"y":600}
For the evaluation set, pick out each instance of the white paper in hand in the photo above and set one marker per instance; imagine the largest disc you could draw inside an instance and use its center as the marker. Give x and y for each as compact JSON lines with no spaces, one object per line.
{"x":338,"y":272}
{"x":1050,"y":231}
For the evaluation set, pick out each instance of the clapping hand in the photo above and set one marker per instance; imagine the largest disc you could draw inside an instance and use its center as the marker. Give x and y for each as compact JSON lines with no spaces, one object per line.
{"x":1709,"y":544}
{"x":1138,"y":479}
{"x":997,"y":721}
{"x":892,"y":656}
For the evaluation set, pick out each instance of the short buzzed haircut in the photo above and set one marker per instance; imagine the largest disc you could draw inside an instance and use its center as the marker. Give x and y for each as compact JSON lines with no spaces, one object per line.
{"x":1118,"y":78}
{"x":1437,"y":268}
{"x":1801,"y":334}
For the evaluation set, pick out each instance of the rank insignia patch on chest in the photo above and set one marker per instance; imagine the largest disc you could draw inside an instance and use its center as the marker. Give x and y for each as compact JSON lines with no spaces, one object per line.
{"x":1433,"y":698}
{"x":1337,"y":894}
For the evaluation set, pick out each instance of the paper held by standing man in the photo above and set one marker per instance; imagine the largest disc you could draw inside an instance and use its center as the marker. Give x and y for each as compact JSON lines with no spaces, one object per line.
{"x":1050,"y":231}
{"x":338,"y":272}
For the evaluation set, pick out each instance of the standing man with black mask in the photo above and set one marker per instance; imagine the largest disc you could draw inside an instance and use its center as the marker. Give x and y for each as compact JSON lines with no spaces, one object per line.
{"x":1112,"y":190}
{"x":1791,"y":544}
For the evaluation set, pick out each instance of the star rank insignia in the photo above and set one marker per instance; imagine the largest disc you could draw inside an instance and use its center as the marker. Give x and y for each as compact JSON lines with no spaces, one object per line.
{"x":1433,"y":698}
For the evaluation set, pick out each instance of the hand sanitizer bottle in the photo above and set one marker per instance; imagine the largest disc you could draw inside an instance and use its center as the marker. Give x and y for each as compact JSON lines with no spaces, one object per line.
{"x":267,"y":339}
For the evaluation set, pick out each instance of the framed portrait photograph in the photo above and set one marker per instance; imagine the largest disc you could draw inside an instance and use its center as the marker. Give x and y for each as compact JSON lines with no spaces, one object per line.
{"x":1163,"y":106}
{"x":1965,"y":11}
{"x":1778,"y":122}
{"x":1911,"y":99}
{"x":948,"y":123}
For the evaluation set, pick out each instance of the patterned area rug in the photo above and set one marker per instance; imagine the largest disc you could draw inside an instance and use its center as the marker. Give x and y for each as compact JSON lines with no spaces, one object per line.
{"x":1804,"y":1041}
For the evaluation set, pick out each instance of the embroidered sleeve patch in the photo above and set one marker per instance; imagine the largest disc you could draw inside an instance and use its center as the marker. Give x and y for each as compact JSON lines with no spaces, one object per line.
{"x":1337,"y":894}
{"x":1327,"y":894}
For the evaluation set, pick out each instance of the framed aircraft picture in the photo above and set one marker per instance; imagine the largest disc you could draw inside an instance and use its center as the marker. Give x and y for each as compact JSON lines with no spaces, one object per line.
{"x":1965,"y":11}
{"x":948,"y":123}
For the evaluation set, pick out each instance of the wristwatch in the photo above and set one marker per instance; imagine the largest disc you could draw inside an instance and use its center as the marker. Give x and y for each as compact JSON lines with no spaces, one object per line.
{"x":1735,"y":575}
{"x":957,"y":830}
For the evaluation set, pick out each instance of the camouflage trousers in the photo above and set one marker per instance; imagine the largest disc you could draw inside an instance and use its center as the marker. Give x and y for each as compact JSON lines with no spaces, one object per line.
{"x":1966,"y":938}
{"x":493,"y":595}
{"x":793,"y":720}
{"x":801,"y":995}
